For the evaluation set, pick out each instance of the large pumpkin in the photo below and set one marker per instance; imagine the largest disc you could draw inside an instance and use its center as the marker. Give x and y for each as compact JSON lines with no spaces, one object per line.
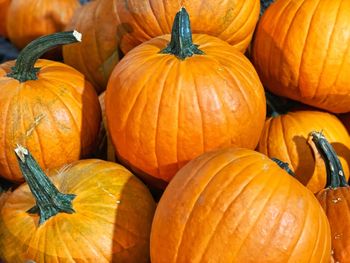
{"x":4,"y":4}
{"x":167,"y":104}
{"x":301,"y":51}
{"x":47,"y":106}
{"x":236,"y":205}
{"x":335,"y":199}
{"x":110,"y":24}
{"x":30,"y":19}
{"x":95,"y":211}
{"x":285,"y":136}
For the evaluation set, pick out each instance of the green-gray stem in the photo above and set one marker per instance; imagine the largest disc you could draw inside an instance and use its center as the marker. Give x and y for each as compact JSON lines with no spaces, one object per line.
{"x":335,"y":172}
{"x":49,"y":201}
{"x":284,"y":166}
{"x":181,"y":44}
{"x":24,"y":69}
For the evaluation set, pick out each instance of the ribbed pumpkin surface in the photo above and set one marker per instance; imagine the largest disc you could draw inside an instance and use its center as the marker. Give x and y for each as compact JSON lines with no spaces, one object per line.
{"x":301,"y":51}
{"x":236,"y":205}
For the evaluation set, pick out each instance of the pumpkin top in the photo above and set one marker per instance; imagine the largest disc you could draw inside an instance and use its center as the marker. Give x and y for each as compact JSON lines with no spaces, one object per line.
{"x":24,"y":69}
{"x":335,"y":172}
{"x":181,"y":44}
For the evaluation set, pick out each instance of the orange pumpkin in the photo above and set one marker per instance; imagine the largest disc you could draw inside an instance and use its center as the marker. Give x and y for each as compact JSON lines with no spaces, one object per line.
{"x":236,"y":205}
{"x":110,"y":24}
{"x":47,"y":106}
{"x":335,"y":198}
{"x":167,"y":104}
{"x":95,"y":211}
{"x":301,"y":52}
{"x":97,"y":55}
{"x":285,"y":136}
{"x":4,"y":4}
{"x":30,"y":19}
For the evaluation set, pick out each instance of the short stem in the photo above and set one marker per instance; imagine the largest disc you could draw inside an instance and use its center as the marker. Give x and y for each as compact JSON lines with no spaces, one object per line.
{"x":181,"y":44}
{"x":49,"y":201}
{"x":24,"y":69}
{"x":284,"y":166}
{"x":335,"y":172}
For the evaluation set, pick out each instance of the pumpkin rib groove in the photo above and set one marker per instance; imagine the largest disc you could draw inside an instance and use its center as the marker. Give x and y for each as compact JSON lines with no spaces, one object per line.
{"x":329,"y":45}
{"x":343,"y":62}
{"x":306,"y":212}
{"x":271,"y":194}
{"x":195,"y":200}
{"x":316,"y":241}
{"x":158,"y":113}
{"x":219,"y":34}
{"x":156,"y":17}
{"x":179,"y":82}
{"x":219,"y":222}
{"x":285,"y":38}
{"x":324,"y":255}
{"x":94,"y":28}
{"x":64,"y":245}
{"x":305,"y":45}
{"x":285,"y":141}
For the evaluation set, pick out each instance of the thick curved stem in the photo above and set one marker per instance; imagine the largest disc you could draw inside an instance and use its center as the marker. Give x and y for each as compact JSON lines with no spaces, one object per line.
{"x":284,"y":166}
{"x":49,"y":201}
{"x":24,"y":69}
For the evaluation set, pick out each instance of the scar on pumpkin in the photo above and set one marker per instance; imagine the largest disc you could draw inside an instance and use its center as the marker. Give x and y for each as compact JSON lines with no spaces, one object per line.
{"x":34,"y":124}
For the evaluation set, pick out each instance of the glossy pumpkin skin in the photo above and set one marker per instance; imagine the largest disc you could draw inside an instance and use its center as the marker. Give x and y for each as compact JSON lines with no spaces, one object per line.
{"x":56,"y":116}
{"x":4,"y":4}
{"x":108,"y":25}
{"x":98,"y":53}
{"x":28,"y":20}
{"x":301,"y":52}
{"x":111,"y":223}
{"x":237,"y":205}
{"x":162,"y":111}
{"x":233,"y":21}
{"x":286,"y":138}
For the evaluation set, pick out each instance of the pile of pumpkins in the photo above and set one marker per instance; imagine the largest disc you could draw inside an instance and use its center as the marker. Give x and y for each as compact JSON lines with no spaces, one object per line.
{"x":242,"y":120}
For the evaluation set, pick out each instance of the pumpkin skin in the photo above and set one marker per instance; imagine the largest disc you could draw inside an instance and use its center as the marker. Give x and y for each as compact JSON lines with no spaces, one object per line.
{"x":286,"y":138}
{"x":111,"y":223}
{"x":28,"y":20}
{"x":233,"y":21}
{"x":301,"y":52}
{"x":56,"y":116}
{"x":225,"y":204}
{"x":108,"y":25}
{"x":169,"y":111}
{"x":98,"y":53}
{"x":4,"y":4}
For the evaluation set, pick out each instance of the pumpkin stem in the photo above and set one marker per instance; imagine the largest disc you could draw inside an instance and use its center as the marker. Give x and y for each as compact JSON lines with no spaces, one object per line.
{"x":181,"y":44}
{"x":335,"y":172}
{"x":49,"y":201}
{"x":24,"y":69}
{"x":284,"y":166}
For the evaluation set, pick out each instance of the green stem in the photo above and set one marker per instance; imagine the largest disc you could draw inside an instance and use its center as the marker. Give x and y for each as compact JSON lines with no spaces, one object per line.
{"x":49,"y":201}
{"x":284,"y":166}
{"x":335,"y":172}
{"x":24,"y":69}
{"x":181,"y":44}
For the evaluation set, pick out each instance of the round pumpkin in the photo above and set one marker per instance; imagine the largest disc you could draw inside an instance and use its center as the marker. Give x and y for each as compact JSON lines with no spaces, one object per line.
{"x":96,"y":211}
{"x":237,"y":205}
{"x":335,"y":198}
{"x":30,"y":19}
{"x":167,"y":103}
{"x":285,"y":137}
{"x":112,"y":24}
{"x":301,"y":52}
{"x":4,"y":4}
{"x":47,"y":106}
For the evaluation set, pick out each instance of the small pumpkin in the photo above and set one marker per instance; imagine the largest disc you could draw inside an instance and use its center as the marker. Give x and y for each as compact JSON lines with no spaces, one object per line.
{"x":300,"y":51}
{"x":47,"y":106}
{"x":335,"y":198}
{"x":4,"y":4}
{"x":30,"y":19}
{"x":167,"y":103}
{"x":93,"y":211}
{"x":237,"y":205}
{"x":285,"y":136}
